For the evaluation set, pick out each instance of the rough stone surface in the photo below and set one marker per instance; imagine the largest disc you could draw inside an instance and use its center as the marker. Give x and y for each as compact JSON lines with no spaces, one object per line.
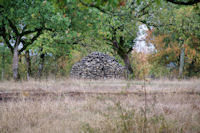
{"x":97,"y":66}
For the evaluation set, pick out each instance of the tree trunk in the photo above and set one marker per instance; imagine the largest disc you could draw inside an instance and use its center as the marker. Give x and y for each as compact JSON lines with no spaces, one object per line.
{"x":41,"y":66}
{"x":56,"y":69}
{"x":15,"y":66}
{"x":3,"y":66}
{"x":191,"y":68}
{"x":181,"y":67}
{"x":28,"y":63}
{"x":121,"y":50}
{"x":127,"y":64}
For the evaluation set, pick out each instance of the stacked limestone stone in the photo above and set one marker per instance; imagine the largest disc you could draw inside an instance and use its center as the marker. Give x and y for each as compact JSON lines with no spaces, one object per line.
{"x":97,"y":66}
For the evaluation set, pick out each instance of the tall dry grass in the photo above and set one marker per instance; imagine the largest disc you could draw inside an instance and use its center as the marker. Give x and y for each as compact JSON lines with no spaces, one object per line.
{"x":171,"y":107}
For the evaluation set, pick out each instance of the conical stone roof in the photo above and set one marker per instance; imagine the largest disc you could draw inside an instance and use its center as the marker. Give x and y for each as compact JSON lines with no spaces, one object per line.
{"x":97,"y":66}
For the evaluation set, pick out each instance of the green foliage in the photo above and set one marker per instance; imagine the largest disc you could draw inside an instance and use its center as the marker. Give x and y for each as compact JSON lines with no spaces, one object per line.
{"x":28,"y":17}
{"x":70,"y":29}
{"x":176,"y":28}
{"x":158,"y":71}
{"x":5,"y":61}
{"x":33,"y":22}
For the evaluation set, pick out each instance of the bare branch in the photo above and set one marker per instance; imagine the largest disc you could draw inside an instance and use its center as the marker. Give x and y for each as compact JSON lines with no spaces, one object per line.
{"x":153,"y":24}
{"x":33,"y":31}
{"x":1,"y":9}
{"x":130,"y":49}
{"x":4,"y":35}
{"x":24,"y":28}
{"x":14,"y":28}
{"x":93,"y":6}
{"x":28,"y":32}
{"x":7,"y":42}
{"x":143,"y":10}
{"x":190,"y":2}
{"x":26,"y":44}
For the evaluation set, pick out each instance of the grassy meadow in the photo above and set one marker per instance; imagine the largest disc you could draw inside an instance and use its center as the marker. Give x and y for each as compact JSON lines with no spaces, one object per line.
{"x":102,"y":106}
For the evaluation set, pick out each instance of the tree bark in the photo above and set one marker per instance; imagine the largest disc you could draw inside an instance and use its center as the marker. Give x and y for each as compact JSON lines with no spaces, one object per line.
{"x":15,"y":66}
{"x":3,"y":66}
{"x":191,"y":68}
{"x":181,"y":67}
{"x":123,"y":52}
{"x":56,"y":69}
{"x":127,"y":63}
{"x":28,"y":63}
{"x":41,"y":65}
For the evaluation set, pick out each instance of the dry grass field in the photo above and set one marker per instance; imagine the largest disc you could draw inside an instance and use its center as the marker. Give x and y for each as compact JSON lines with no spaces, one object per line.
{"x":106,"y":106}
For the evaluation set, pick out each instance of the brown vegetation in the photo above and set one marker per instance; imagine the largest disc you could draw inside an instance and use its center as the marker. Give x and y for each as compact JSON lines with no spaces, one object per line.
{"x":101,"y":106}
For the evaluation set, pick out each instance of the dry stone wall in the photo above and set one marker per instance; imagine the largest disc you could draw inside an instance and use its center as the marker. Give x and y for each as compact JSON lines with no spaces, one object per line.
{"x":97,"y":66}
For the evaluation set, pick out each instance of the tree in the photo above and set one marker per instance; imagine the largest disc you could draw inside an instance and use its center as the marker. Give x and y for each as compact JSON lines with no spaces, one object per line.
{"x":28,"y":62}
{"x":3,"y":54}
{"x":176,"y":34}
{"x":119,"y":25}
{"x":23,"y":22}
{"x":113,"y":22}
{"x":5,"y":60}
{"x":50,"y":45}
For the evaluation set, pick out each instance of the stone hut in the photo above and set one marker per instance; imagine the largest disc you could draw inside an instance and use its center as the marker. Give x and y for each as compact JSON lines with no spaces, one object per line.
{"x":97,"y":66}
